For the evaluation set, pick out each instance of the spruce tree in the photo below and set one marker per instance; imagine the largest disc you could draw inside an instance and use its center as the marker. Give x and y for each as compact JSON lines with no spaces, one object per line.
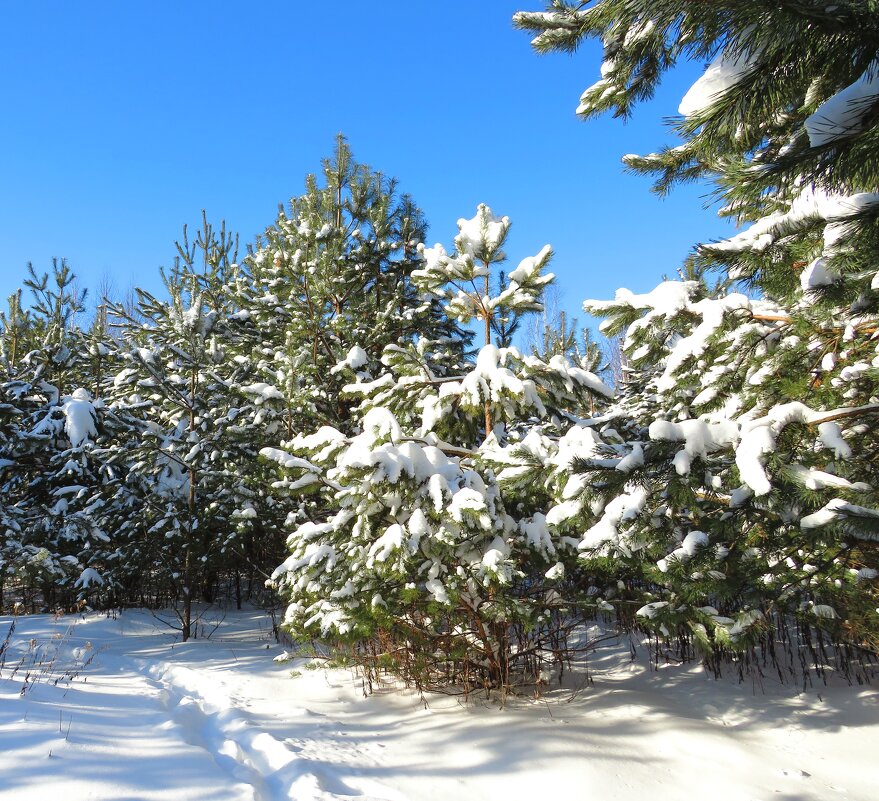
{"x":748,"y":502}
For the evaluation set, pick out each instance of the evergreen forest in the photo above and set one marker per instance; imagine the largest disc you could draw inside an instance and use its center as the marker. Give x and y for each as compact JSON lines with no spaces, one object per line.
{"x":344,"y":420}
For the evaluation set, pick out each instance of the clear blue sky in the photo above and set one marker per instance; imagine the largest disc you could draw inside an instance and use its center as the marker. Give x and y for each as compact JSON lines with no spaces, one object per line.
{"x":122,"y":120}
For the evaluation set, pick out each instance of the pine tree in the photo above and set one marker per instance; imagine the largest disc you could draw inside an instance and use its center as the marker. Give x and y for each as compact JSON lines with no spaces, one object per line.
{"x":321,"y":299}
{"x":48,"y":432}
{"x":463,"y":280}
{"x":329,"y":287}
{"x":427,"y":557}
{"x":749,"y":497}
{"x":552,"y":333}
{"x":186,"y":464}
{"x":17,"y":332}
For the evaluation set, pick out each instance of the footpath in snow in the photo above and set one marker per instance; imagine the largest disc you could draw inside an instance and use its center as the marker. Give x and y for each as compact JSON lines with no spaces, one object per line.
{"x":120,"y":710}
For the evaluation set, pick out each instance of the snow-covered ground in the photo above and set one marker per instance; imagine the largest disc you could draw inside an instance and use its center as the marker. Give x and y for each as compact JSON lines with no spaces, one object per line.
{"x":118,"y":709}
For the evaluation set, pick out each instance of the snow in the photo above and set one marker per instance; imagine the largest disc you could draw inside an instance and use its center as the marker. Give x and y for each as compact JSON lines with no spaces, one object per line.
{"x":355,"y":359}
{"x":495,"y":557}
{"x":483,"y":233}
{"x":668,"y":297}
{"x":831,"y":437}
{"x":722,"y":74}
{"x":538,"y":537}
{"x":700,"y":437}
{"x":88,"y":577}
{"x":464,"y":501}
{"x":817,"y":274}
{"x":325,"y":440}
{"x":529,"y":268}
{"x":491,"y":380}
{"x":823,"y":610}
{"x":380,"y":422}
{"x":286,"y":460}
{"x":691,"y":543}
{"x":818,"y":479}
{"x":638,"y":31}
{"x":712,"y":312}
{"x":436,"y":588}
{"x":649,"y":610}
{"x":556,"y":572}
{"x":837,"y":509}
{"x":666,"y":300}
{"x":573,"y":374}
{"x":263,"y":392}
{"x":758,"y":438}
{"x":435,"y":258}
{"x":314,"y":553}
{"x":386,"y":544}
{"x":813,"y":203}
{"x":622,"y":508}
{"x":79,"y":418}
{"x":149,"y":718}
{"x":632,"y":461}
{"x":842,"y":115}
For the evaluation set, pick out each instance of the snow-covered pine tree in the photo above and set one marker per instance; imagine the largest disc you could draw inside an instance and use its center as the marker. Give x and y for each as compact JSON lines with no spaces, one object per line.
{"x":429,"y":558}
{"x":255,"y":416}
{"x":463,"y":279}
{"x":16,"y":337}
{"x":16,"y":334}
{"x":317,"y":300}
{"x":507,"y":324}
{"x":750,"y":498}
{"x":179,"y":493}
{"x":551,"y":332}
{"x":15,"y":331}
{"x":49,"y":429}
{"x":329,"y":286}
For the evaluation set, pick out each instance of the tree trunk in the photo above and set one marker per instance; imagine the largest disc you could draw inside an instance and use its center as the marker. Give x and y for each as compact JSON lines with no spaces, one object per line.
{"x":186,"y":620}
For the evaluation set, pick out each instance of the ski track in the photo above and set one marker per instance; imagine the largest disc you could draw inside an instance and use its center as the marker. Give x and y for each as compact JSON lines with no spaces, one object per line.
{"x":206,"y":715}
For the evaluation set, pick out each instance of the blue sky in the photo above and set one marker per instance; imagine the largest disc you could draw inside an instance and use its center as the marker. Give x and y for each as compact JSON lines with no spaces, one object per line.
{"x":123,"y":120}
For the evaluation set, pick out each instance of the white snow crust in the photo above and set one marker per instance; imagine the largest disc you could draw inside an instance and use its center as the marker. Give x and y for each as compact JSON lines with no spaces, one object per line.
{"x":263,"y":392}
{"x":835,"y":510}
